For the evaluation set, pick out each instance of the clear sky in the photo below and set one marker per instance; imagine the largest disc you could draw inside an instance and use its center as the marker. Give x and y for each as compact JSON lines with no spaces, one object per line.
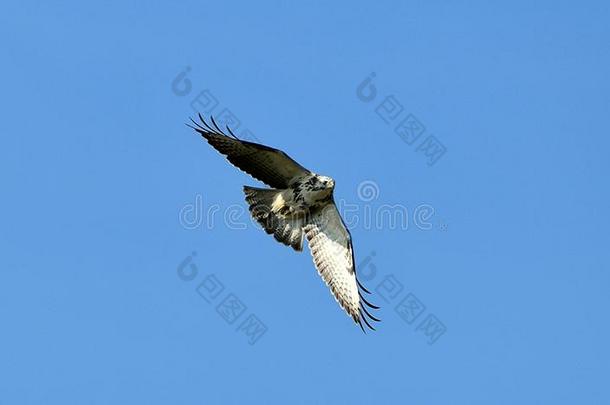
{"x":469,"y":145}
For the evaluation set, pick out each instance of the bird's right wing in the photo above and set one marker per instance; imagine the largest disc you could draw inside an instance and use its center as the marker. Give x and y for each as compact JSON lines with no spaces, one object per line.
{"x":271,"y":166}
{"x":331,"y":247}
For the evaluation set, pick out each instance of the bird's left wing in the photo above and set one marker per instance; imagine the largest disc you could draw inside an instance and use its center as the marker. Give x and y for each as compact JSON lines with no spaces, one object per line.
{"x":331,"y":247}
{"x":271,"y":166}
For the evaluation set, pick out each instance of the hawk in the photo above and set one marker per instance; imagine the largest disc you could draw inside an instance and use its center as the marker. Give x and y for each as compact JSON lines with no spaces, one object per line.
{"x":300,"y":203}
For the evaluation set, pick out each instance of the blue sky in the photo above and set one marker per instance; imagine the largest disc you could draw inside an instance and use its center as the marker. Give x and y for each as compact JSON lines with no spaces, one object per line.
{"x":107,"y":194}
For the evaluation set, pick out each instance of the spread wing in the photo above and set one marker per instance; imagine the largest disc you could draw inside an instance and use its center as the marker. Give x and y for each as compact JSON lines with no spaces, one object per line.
{"x":331,"y":247}
{"x":271,"y":166}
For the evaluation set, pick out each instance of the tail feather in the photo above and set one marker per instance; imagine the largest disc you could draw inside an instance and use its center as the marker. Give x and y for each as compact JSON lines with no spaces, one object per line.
{"x":269,"y":209}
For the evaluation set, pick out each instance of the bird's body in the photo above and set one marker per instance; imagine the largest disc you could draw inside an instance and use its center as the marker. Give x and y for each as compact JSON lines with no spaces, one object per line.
{"x":286,"y":212}
{"x":299,"y":205}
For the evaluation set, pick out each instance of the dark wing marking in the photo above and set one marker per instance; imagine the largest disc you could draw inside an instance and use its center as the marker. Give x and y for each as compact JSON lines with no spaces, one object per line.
{"x":331,"y":247}
{"x":271,"y":166}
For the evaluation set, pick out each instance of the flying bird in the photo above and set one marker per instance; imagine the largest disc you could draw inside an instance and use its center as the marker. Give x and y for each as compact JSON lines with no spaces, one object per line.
{"x":299,"y":204}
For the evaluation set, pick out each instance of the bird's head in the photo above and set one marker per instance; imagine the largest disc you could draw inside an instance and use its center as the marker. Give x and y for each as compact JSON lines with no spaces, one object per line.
{"x":326,"y":182}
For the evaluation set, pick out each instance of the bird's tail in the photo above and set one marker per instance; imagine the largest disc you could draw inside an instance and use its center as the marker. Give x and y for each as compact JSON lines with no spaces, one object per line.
{"x":270,"y":210}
